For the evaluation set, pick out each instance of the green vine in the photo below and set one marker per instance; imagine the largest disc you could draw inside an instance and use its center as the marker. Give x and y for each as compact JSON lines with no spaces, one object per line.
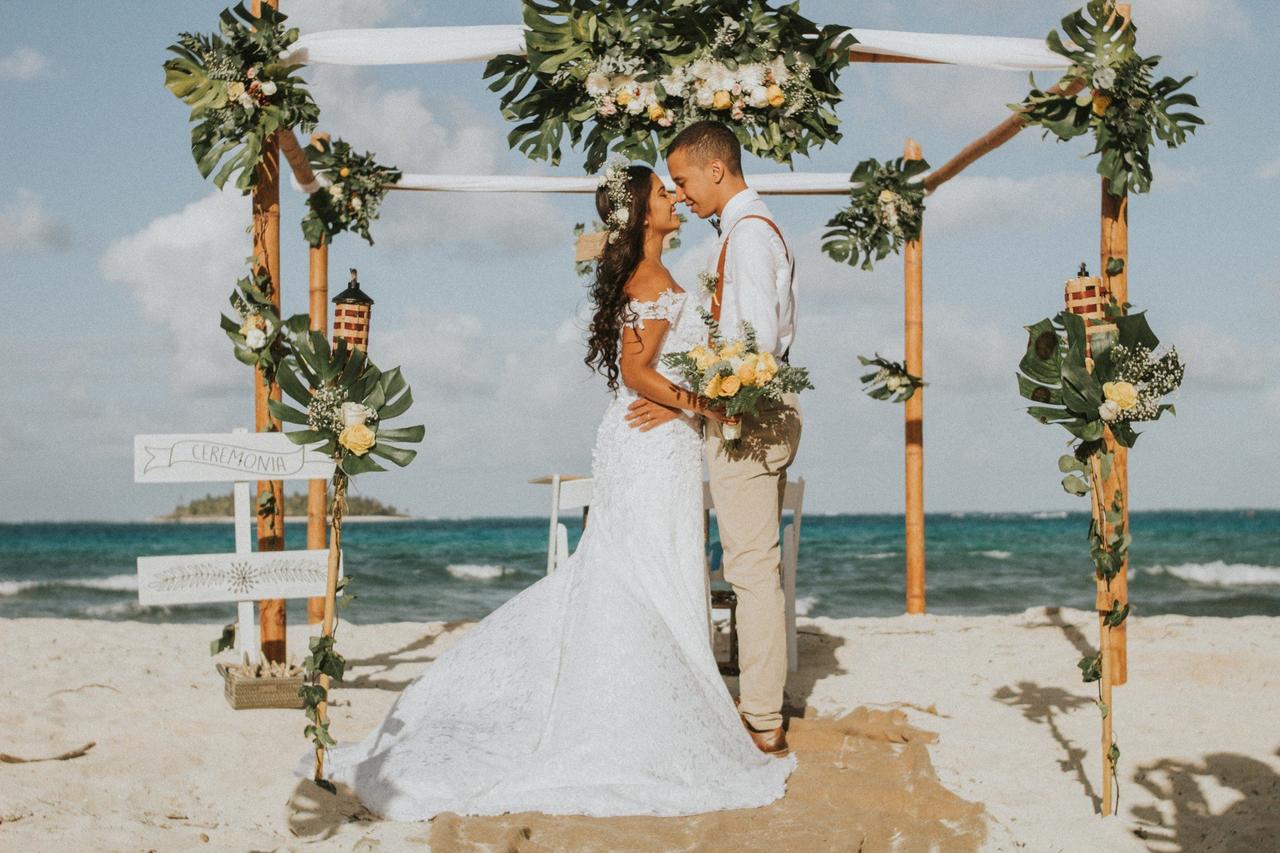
{"x":346,"y":402}
{"x":629,"y":75}
{"x":889,"y":381}
{"x":1118,"y":100}
{"x":239,"y":92}
{"x":357,"y":185}
{"x":886,"y":207}
{"x":1096,"y":381}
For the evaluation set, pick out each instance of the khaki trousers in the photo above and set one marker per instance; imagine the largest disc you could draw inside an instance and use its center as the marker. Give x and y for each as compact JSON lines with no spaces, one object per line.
{"x":747,"y":485}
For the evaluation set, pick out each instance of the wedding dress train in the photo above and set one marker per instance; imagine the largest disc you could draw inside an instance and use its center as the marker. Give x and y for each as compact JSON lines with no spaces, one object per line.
{"x":594,"y":691}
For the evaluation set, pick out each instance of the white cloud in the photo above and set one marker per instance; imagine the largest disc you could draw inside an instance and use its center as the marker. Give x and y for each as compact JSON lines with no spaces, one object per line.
{"x":180,"y":268}
{"x":1172,"y":24}
{"x":977,"y":203}
{"x":401,"y":129}
{"x":24,"y":63}
{"x":25,"y":226}
{"x":314,"y":15}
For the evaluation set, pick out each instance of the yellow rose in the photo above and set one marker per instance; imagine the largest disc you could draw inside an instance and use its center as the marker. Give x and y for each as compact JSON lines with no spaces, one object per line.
{"x":357,"y":438}
{"x":766,"y":367}
{"x":721,"y":100}
{"x":702,"y":357}
{"x":747,"y":373}
{"x":713,"y":387}
{"x":886,"y":196}
{"x":775,"y":95}
{"x":624,"y":97}
{"x":1100,"y":103}
{"x":343,"y":172}
{"x":1123,"y":394}
{"x":732,"y":350}
{"x":729,"y":385}
{"x":656,"y":112}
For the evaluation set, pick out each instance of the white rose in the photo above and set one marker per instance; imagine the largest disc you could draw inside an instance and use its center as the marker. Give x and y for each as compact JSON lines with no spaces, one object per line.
{"x":597,"y":84}
{"x":894,"y":382}
{"x":1109,"y":411}
{"x":635,"y":106}
{"x":268,"y":88}
{"x":354,"y":414}
{"x":704,"y":96}
{"x":648,"y":95}
{"x":246,"y":100}
{"x":701,"y":69}
{"x":751,"y":76}
{"x":356,"y":204}
{"x":779,"y":69}
{"x":759,"y":97}
{"x":255,"y":339}
{"x":720,"y":77}
{"x":673,"y":83}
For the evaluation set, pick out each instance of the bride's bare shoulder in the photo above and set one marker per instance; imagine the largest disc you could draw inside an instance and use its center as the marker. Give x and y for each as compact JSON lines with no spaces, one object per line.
{"x":649,"y":281}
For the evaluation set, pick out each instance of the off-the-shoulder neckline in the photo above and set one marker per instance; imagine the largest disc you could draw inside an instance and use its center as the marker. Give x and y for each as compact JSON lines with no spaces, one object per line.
{"x":670,"y":291}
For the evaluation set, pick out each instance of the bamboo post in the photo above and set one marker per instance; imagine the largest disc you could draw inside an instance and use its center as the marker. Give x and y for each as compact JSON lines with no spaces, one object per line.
{"x":913,"y":300}
{"x":316,"y":514}
{"x":1114,"y":243}
{"x":266,"y":250}
{"x":331,"y":598}
{"x":318,"y":307}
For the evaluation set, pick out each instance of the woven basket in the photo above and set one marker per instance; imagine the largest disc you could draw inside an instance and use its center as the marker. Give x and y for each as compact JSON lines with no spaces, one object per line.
{"x":242,"y":692}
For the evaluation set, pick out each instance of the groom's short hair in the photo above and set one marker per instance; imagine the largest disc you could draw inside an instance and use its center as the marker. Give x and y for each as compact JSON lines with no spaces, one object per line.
{"x":709,"y":140}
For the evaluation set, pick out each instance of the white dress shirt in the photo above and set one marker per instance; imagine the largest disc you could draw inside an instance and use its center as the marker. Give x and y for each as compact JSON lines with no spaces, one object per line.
{"x":759,"y":275}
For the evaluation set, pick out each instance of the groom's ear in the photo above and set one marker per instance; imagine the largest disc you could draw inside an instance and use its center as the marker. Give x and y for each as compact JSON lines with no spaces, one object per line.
{"x":717,"y":171}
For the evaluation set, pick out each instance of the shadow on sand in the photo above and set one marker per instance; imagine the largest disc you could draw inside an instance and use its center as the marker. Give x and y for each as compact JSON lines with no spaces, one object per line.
{"x":1224,"y":802}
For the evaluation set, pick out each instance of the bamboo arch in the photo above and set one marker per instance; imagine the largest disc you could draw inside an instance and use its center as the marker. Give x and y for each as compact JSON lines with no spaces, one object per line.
{"x":1113,"y":244}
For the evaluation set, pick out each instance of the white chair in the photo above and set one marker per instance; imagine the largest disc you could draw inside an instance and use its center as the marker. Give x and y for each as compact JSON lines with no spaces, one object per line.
{"x":568,"y":491}
{"x":793,"y":500}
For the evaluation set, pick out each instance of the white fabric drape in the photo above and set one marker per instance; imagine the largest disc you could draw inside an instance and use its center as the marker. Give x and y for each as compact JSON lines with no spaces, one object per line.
{"x":786,"y":183}
{"x":411,"y":45}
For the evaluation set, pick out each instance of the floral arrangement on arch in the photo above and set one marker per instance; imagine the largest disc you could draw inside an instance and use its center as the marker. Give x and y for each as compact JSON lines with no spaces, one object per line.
{"x":239,"y":91}
{"x":259,"y":337}
{"x":1117,"y":97}
{"x":889,"y":381}
{"x":885,"y":210}
{"x":639,"y":71}
{"x":357,"y":185}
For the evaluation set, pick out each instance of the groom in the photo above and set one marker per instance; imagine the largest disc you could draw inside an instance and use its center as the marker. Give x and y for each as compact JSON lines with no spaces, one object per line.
{"x":756,"y":282}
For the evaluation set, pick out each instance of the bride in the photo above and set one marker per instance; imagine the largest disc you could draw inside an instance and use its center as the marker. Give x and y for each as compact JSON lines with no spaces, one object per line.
{"x":594,"y":691}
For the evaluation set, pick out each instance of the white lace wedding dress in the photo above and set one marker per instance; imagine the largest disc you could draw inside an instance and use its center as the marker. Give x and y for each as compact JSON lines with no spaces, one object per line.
{"x":594,"y":691}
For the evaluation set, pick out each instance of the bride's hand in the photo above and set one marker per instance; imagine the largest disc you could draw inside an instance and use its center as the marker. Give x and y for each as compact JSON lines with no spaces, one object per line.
{"x":712,"y":413}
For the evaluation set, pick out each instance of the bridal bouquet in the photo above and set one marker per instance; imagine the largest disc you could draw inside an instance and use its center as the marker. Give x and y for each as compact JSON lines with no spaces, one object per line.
{"x":736,"y":374}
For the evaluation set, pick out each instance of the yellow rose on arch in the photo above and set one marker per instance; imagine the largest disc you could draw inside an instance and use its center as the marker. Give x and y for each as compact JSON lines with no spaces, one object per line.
{"x":1123,"y":394}
{"x":358,"y":438}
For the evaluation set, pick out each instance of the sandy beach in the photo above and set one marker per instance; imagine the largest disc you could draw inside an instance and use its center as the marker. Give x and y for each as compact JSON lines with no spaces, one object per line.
{"x":913,"y":733}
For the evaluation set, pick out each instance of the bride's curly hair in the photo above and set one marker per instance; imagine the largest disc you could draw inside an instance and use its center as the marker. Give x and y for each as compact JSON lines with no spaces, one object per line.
{"x":622,"y":254}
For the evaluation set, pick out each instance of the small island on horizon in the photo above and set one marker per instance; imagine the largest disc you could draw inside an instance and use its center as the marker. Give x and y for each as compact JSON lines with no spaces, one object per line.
{"x":213,"y":507}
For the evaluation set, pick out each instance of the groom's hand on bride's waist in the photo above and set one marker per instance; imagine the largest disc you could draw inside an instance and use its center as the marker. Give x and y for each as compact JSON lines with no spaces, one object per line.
{"x":645,"y":414}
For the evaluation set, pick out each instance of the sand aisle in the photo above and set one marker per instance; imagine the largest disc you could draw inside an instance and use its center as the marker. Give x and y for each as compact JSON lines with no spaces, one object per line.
{"x":965,"y":733}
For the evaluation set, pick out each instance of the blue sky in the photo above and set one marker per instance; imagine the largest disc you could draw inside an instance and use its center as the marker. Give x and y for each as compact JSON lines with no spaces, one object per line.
{"x":117,"y":258}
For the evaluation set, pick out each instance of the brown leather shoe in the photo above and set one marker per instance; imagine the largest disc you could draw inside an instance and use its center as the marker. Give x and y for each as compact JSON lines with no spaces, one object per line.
{"x":772,"y":742}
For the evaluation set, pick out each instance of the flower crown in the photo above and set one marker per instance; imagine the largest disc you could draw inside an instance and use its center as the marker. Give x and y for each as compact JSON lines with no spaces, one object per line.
{"x":614,"y":180}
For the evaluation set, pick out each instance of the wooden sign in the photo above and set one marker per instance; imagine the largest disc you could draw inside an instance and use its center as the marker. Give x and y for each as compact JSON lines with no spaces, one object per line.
{"x":202,"y":578}
{"x":225,"y":457}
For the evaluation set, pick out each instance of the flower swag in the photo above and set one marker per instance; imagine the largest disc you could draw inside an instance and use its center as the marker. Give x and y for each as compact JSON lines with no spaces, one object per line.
{"x":258,"y":336}
{"x":889,"y":381}
{"x":357,"y":184}
{"x":641,"y":70}
{"x":885,"y":210}
{"x":1116,"y":97}
{"x":239,"y":91}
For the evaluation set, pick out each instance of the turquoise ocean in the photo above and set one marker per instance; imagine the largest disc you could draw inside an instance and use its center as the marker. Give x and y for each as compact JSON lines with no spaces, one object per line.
{"x":1217,"y":563}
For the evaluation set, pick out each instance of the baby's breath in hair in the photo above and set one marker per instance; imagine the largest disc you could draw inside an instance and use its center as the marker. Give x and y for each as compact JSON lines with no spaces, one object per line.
{"x":615,"y":179}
